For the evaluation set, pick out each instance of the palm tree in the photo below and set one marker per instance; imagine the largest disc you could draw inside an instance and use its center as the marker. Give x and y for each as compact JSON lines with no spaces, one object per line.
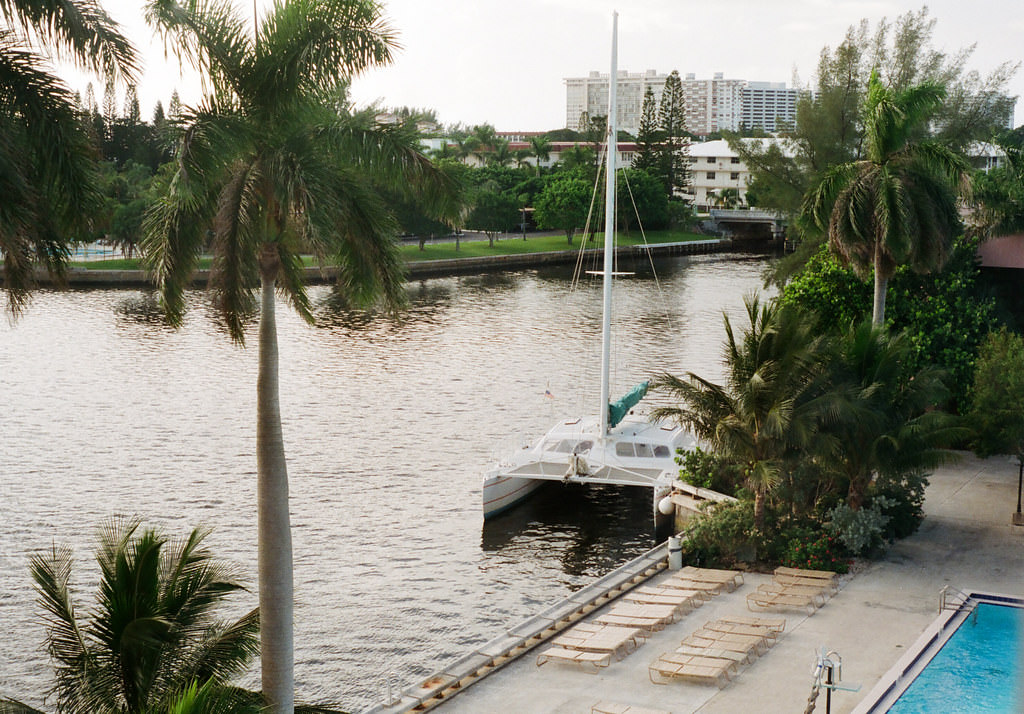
{"x":897,"y":205}
{"x":540,"y":147}
{"x":154,"y":634}
{"x":500,"y":154}
{"x":270,"y":164}
{"x":48,"y":179}
{"x":885,"y":420}
{"x":769,"y":406}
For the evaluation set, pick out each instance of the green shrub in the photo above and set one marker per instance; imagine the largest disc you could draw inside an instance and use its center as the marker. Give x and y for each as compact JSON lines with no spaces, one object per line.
{"x":903,"y":496}
{"x":716,"y":536}
{"x":706,"y":469}
{"x":859,"y":531}
{"x":815,"y":551}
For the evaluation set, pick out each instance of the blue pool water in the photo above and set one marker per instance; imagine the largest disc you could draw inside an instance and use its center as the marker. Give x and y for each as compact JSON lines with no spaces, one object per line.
{"x":979,"y":669}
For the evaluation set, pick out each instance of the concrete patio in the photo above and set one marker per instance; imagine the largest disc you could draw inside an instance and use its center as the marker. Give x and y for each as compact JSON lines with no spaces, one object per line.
{"x":966,"y":541}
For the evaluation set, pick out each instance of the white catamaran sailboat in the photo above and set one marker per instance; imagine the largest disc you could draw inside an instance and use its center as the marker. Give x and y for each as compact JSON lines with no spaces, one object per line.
{"x":615,"y":446}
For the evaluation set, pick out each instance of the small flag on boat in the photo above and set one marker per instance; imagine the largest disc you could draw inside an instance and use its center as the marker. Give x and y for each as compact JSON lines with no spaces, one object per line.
{"x":548,"y":394}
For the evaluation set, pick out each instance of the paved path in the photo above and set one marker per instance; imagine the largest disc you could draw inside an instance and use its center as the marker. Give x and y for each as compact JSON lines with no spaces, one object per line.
{"x":965,"y":541}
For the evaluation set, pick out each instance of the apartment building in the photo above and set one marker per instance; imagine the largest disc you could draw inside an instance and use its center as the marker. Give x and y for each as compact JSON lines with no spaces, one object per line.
{"x":711,"y":105}
{"x":768,"y":105}
{"x":590,"y":94}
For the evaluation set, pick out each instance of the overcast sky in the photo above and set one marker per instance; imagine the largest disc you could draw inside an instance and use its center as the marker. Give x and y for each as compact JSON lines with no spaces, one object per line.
{"x":504,"y":63}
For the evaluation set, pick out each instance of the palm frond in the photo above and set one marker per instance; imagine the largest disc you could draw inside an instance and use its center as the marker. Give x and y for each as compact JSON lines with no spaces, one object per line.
{"x":212,"y":36}
{"x":66,"y":642}
{"x":79,"y":31}
{"x":310,"y":45}
{"x":237,"y":231}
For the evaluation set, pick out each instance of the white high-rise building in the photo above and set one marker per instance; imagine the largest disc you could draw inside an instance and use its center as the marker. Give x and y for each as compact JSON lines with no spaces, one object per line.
{"x":767,"y":105}
{"x":590,"y":94}
{"x":712,"y":105}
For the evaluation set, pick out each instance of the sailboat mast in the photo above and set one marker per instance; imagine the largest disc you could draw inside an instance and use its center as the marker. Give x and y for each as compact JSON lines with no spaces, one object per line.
{"x":609,"y":224}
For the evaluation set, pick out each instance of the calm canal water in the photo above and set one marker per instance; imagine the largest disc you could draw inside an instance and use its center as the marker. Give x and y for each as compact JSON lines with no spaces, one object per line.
{"x":389,"y":424}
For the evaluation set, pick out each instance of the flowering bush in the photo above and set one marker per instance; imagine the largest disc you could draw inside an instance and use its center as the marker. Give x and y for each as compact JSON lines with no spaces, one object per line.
{"x":817,"y":551}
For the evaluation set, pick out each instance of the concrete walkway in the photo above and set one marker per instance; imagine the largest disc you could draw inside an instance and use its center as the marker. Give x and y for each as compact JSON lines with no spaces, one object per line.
{"x":965,"y":541}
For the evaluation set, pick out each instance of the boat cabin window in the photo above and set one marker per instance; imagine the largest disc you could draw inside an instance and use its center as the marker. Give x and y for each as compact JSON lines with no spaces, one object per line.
{"x":640,"y":450}
{"x":568,"y":446}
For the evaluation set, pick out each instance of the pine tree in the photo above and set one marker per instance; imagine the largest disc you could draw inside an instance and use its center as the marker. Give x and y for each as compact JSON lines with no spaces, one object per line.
{"x":174,"y":108}
{"x":674,"y":151}
{"x":132,"y":112}
{"x":647,"y":137}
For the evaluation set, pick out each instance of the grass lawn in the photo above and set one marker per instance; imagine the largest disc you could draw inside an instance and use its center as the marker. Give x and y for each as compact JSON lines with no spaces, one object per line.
{"x":513,"y":245}
{"x":444,"y":251}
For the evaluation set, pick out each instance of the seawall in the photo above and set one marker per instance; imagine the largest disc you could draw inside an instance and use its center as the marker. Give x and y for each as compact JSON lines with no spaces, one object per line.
{"x":82,"y":277}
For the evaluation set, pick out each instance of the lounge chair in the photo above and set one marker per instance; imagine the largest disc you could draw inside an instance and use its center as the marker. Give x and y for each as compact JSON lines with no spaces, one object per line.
{"x":751,"y":645}
{"x":825,"y":578}
{"x":736,"y":628}
{"x":593,"y":627}
{"x":618,"y":641}
{"x":669,"y":613}
{"x":778,"y":599}
{"x":775,"y":624}
{"x":731,"y":579}
{"x":682,"y":600}
{"x":587,"y":661}
{"x":645,"y":617}
{"x":684,"y":666}
{"x":737,"y":657}
{"x":818,"y":592}
{"x":685,"y":582}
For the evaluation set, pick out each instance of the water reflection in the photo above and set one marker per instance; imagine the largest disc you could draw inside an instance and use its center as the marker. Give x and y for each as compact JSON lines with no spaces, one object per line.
{"x":389,"y":422}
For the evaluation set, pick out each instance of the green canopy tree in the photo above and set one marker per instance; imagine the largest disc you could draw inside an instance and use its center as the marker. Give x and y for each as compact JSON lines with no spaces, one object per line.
{"x":997,"y":409}
{"x":271,"y":164}
{"x":899,"y":203}
{"x":493,"y":212}
{"x":48,"y":180}
{"x":564,"y":202}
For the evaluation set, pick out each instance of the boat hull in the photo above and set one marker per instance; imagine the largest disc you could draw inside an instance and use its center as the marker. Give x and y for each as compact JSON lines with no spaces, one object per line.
{"x":501,"y":493}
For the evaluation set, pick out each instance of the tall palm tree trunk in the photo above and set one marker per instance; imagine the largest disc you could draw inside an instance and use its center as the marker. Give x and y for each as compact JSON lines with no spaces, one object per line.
{"x":274,"y":526}
{"x":881,"y":284}
{"x":759,"y":513}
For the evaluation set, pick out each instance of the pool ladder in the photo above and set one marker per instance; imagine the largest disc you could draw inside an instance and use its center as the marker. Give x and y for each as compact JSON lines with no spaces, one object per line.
{"x":952,"y":599}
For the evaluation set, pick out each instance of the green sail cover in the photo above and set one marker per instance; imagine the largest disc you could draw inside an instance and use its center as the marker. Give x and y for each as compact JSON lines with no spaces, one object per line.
{"x":617,"y":410}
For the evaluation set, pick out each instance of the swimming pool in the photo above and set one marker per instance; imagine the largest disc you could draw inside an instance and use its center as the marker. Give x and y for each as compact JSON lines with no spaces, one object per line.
{"x":969,"y":660}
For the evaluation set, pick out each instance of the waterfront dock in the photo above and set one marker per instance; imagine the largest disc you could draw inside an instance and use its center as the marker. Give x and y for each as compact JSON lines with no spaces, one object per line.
{"x":882,"y":607}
